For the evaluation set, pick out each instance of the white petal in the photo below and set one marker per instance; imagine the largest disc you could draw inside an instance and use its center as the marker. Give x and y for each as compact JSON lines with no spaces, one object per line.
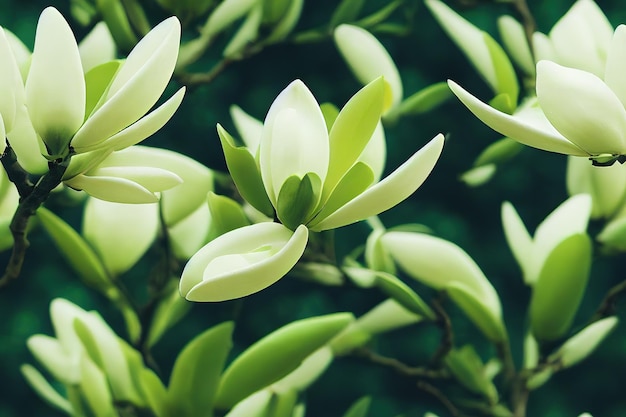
{"x":514,"y":39}
{"x":97,"y":47}
{"x":249,"y":128}
{"x":390,"y":191}
{"x":63,"y":313}
{"x":519,"y":240}
{"x":616,"y":64}
{"x":12,"y":98}
{"x":117,"y":190}
{"x":137,"y":86}
{"x":153,"y":179}
{"x":27,"y":146}
{"x":368,"y":59}
{"x":120,"y":233}
{"x":543,"y":47}
{"x":52,"y":356}
{"x":141,"y":129}
{"x":532,"y":129}
{"x":295,"y":139}
{"x":55,"y":88}
{"x":375,"y":152}
{"x":191,"y":233}
{"x":582,"y":107}
{"x":21,"y":53}
{"x":242,"y":262}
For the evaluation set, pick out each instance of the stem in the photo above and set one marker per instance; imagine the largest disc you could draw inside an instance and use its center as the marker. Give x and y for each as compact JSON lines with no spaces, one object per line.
{"x":398,"y":366}
{"x":441,"y":397}
{"x":31,"y":198}
{"x":447,"y":337}
{"x":197,"y":78}
{"x":607,"y":306}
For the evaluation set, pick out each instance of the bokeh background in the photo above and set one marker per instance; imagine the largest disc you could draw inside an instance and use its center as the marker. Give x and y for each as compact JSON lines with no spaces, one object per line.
{"x":533,"y":181}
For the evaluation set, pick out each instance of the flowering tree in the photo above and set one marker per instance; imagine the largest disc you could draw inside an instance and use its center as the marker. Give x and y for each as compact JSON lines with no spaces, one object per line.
{"x":281,"y":209}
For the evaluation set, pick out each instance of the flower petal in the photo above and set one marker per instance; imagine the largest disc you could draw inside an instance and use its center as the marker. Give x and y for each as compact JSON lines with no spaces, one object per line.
{"x":530,"y":127}
{"x":11,"y":85}
{"x":295,"y":139}
{"x":55,"y":88}
{"x":249,"y":128}
{"x":242,"y":262}
{"x":120,"y":233}
{"x":517,"y":236}
{"x":114,"y":189}
{"x":97,"y":47}
{"x":387,"y":193}
{"x":616,"y":64}
{"x":368,"y":59}
{"x":137,"y":86}
{"x":582,"y":107}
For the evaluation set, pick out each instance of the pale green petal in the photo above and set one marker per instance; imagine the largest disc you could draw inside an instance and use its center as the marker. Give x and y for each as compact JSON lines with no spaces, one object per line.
{"x":581,"y":37}
{"x":249,"y":128}
{"x":375,"y":153}
{"x":295,"y":139}
{"x":543,"y":47}
{"x":97,"y":47}
{"x":616,"y":64}
{"x":21,"y":53}
{"x":583,"y":343}
{"x":386,"y":316}
{"x":606,"y":185}
{"x":44,"y":389}
{"x":26,"y":145}
{"x":368,"y":59}
{"x":153,"y":179}
{"x":468,"y":38}
{"x":519,"y":240}
{"x":191,"y":233}
{"x":62,"y":314}
{"x":136,"y":87}
{"x":389,"y":192}
{"x":55,"y":88}
{"x":569,"y":218}
{"x":308,"y":372}
{"x":225,"y":14}
{"x":254,"y":405}
{"x":529,"y":128}
{"x":12,"y":98}
{"x":49,"y":352}
{"x":582,"y":107}
{"x":242,"y":262}
{"x":119,"y":190}
{"x":120,"y":233}
{"x":514,"y":40}
{"x":438,"y":263}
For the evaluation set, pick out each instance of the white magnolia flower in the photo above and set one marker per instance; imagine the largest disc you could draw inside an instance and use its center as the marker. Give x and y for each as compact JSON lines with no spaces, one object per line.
{"x":66,"y":120}
{"x":576,"y":112}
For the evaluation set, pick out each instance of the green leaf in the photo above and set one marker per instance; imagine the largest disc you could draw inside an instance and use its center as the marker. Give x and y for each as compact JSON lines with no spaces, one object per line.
{"x":403,"y":294}
{"x":359,"y":408}
{"x":296,"y":199}
{"x":170,"y":309}
{"x":95,"y":389}
{"x":354,"y":182}
{"x":379,"y":15}
{"x":113,"y":13}
{"x":282,"y":404}
{"x":499,"y":152}
{"x":560,"y":287}
{"x":468,"y":368}
{"x":45,"y":391}
{"x":76,"y":251}
{"x":226,"y":214}
{"x":352,"y":130}
{"x":345,"y":12}
{"x":330,"y":113}
{"x":476,"y":310}
{"x":506,"y":79}
{"x":583,"y":343}
{"x":245,"y":173}
{"x":153,"y":391}
{"x":196,"y":374}
{"x":97,"y":82}
{"x":478,"y":176}
{"x":426,"y":99}
{"x":276,"y":355}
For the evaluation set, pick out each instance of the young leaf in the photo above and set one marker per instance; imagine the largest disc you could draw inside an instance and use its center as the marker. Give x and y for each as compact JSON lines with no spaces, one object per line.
{"x":196,"y":373}
{"x":359,"y":408}
{"x":276,"y":355}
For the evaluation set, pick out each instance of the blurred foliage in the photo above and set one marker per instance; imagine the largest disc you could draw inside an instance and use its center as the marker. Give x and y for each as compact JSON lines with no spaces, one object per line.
{"x":534,"y":182}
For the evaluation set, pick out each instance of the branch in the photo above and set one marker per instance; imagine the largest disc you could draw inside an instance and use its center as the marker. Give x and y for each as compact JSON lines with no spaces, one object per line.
{"x":447,"y":337}
{"x":607,"y":306}
{"x":31,"y":198}
{"x":398,"y":366}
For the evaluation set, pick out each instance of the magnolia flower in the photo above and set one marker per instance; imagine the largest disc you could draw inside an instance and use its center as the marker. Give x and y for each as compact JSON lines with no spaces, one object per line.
{"x":106,"y":108}
{"x":312,"y":179}
{"x":576,"y":113}
{"x":9,"y":199}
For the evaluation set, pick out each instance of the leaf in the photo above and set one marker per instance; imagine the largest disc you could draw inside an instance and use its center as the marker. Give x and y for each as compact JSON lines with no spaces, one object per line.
{"x":403,"y":294}
{"x":506,"y":79}
{"x":245,"y":173}
{"x":276,"y":355}
{"x":345,"y":12}
{"x":426,"y":99}
{"x":560,"y":287}
{"x":499,"y":152}
{"x":97,"y":81}
{"x":170,"y":309}
{"x":75,"y":250}
{"x":114,"y":15}
{"x":477,"y":311}
{"x":196,"y":374}
{"x":226,"y":214}
{"x":468,"y":368}
{"x":359,"y":408}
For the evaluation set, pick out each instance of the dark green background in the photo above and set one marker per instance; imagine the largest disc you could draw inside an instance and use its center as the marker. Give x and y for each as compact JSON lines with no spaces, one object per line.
{"x":533,"y":182}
